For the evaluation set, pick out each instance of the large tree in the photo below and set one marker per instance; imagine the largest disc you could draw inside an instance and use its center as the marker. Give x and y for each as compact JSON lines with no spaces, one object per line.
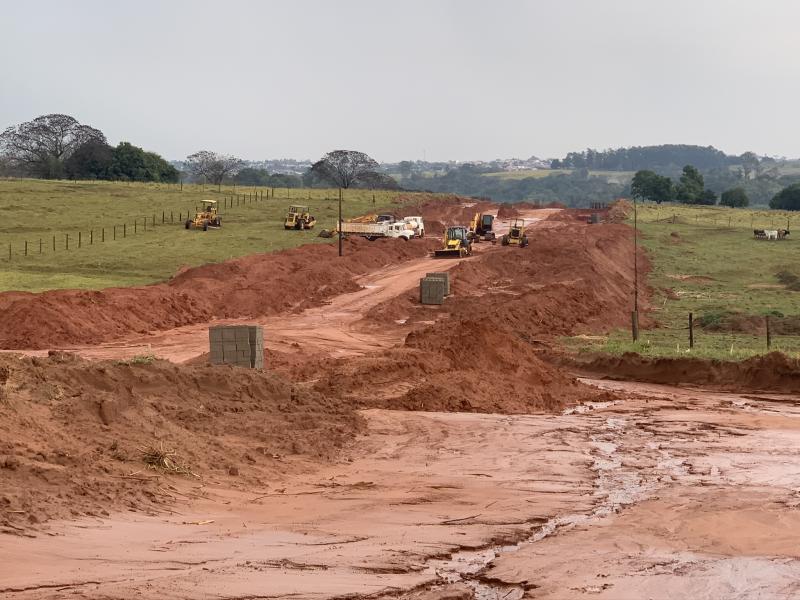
{"x":735,"y":198}
{"x":345,"y":168}
{"x":787,"y":199}
{"x":690,"y":188}
{"x":647,"y":185}
{"x":40,"y":147}
{"x":212,"y":166}
{"x":91,"y":160}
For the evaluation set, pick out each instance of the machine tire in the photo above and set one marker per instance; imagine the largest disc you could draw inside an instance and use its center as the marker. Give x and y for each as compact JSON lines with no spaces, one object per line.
{"x":205,"y":226}
{"x":524,"y":241}
{"x":298,"y":225}
{"x":504,"y":240}
{"x":187,"y":224}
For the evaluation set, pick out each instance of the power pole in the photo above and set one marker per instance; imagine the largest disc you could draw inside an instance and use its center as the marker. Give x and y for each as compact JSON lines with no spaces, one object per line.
{"x":340,"y":221}
{"x":635,"y":314}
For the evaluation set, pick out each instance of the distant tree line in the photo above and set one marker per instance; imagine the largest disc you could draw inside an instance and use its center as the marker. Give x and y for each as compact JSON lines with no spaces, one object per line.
{"x":655,"y":158}
{"x":58,"y":146}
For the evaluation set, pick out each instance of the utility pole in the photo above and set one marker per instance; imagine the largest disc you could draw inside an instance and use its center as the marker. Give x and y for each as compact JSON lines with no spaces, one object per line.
{"x":340,"y":221}
{"x":635,"y":314}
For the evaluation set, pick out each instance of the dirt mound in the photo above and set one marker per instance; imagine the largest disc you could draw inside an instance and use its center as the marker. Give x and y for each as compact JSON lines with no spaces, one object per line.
{"x":619,"y":211}
{"x":571,"y":279}
{"x":461,"y":365}
{"x":774,"y":372}
{"x":440,"y":212}
{"x":260,"y":284}
{"x":507,"y":211}
{"x":72,"y":433}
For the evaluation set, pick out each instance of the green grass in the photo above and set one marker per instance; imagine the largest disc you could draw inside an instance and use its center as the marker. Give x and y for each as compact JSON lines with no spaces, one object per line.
{"x":711,"y":267}
{"x":35,"y":210}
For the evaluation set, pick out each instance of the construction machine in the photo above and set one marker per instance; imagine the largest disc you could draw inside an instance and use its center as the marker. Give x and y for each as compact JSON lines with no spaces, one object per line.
{"x":516,"y":234}
{"x":456,"y":242}
{"x":207,"y":217}
{"x":299,"y":217}
{"x":481,"y":227}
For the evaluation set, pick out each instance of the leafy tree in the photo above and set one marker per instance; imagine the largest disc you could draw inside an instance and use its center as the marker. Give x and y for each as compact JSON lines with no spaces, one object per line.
{"x":787,"y":199}
{"x":690,"y":188}
{"x":40,"y":147}
{"x":647,"y":185}
{"x":750,"y":164}
{"x":252,"y":176}
{"x":666,"y":157}
{"x":131,"y":163}
{"x":735,"y":198}
{"x":212,"y":166}
{"x":708,"y":197}
{"x":91,"y":160}
{"x":344,"y":168}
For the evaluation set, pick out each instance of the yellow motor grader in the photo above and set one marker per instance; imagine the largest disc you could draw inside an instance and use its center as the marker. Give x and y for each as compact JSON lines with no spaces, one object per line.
{"x":456,"y":243}
{"x":205,"y":218}
{"x":299,"y":217}
{"x":516,"y":234}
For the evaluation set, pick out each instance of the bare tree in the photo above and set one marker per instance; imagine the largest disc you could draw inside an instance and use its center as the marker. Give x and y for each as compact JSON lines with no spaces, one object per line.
{"x":214,"y":167}
{"x":41,"y":146}
{"x":345,"y":168}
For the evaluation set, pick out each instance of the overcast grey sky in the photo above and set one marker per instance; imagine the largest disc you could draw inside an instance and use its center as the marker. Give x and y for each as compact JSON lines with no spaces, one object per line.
{"x":460,"y":80}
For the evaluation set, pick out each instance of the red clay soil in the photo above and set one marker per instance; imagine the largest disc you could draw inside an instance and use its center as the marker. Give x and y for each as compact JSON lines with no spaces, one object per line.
{"x":459,"y":365}
{"x":256,"y":285}
{"x":773,"y":372}
{"x":72,"y":433}
{"x":261,"y":284}
{"x":572,"y":278}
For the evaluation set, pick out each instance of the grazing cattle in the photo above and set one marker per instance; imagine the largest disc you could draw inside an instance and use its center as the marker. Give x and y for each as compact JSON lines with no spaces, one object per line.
{"x":770,"y":234}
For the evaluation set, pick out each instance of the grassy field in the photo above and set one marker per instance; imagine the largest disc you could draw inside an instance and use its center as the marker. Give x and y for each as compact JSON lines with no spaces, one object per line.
{"x":35,"y":211}
{"x":706,"y":261}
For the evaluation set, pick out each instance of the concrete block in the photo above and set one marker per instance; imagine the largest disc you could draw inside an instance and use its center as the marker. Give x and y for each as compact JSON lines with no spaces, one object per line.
{"x":443,"y":275}
{"x":215,"y":334}
{"x":239,"y":345}
{"x":431,"y":290}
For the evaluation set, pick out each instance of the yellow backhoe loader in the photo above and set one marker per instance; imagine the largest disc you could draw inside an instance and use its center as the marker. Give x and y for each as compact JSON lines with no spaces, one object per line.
{"x":456,"y":243}
{"x":299,"y":217}
{"x":516,"y":234}
{"x":208,"y":217}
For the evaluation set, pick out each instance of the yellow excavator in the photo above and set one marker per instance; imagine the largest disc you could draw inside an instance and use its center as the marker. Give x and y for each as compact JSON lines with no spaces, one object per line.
{"x":456,"y":243}
{"x":205,"y":218}
{"x":516,"y":234}
{"x":481,"y":227}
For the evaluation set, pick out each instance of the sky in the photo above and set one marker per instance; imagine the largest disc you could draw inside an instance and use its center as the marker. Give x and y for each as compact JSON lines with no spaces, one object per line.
{"x":411,"y":79}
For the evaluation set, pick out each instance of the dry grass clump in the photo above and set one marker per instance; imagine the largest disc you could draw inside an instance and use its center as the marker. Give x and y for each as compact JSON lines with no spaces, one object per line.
{"x":160,"y":458}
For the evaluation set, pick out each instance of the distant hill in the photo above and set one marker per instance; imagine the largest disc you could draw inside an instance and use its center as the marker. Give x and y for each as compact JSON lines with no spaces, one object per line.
{"x":664,"y":158}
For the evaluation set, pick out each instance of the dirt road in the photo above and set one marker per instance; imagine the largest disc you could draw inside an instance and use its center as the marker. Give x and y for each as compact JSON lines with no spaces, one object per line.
{"x":332,"y":329}
{"x":670,"y":494}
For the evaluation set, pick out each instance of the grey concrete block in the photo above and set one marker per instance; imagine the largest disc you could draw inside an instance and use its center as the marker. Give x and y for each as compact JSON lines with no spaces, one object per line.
{"x":442,"y":275}
{"x":431,"y":290}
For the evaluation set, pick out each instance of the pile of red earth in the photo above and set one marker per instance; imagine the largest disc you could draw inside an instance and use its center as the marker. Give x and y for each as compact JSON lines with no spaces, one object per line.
{"x":774,"y":372}
{"x":462,"y":365}
{"x":76,"y":437}
{"x":619,"y":211}
{"x":261,"y":284}
{"x":572,"y":278}
{"x":440,"y":212}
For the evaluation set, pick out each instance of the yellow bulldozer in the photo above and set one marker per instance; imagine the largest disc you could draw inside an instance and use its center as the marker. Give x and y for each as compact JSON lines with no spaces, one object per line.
{"x":299,"y":217}
{"x":456,"y":243}
{"x":208,"y":217}
{"x":516,"y":234}
{"x":481,"y":227}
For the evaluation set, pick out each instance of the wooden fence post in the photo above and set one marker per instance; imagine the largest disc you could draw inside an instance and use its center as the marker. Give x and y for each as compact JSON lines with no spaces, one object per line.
{"x":769,"y":334}
{"x":135,"y":226}
{"x":54,"y":243}
{"x":124,"y":230}
{"x":26,"y":247}
{"x":79,"y":239}
{"x":103,"y":234}
{"x":40,"y":245}
{"x":9,"y":253}
{"x":67,"y":241}
{"x":91,"y":237}
{"x":691,"y":331}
